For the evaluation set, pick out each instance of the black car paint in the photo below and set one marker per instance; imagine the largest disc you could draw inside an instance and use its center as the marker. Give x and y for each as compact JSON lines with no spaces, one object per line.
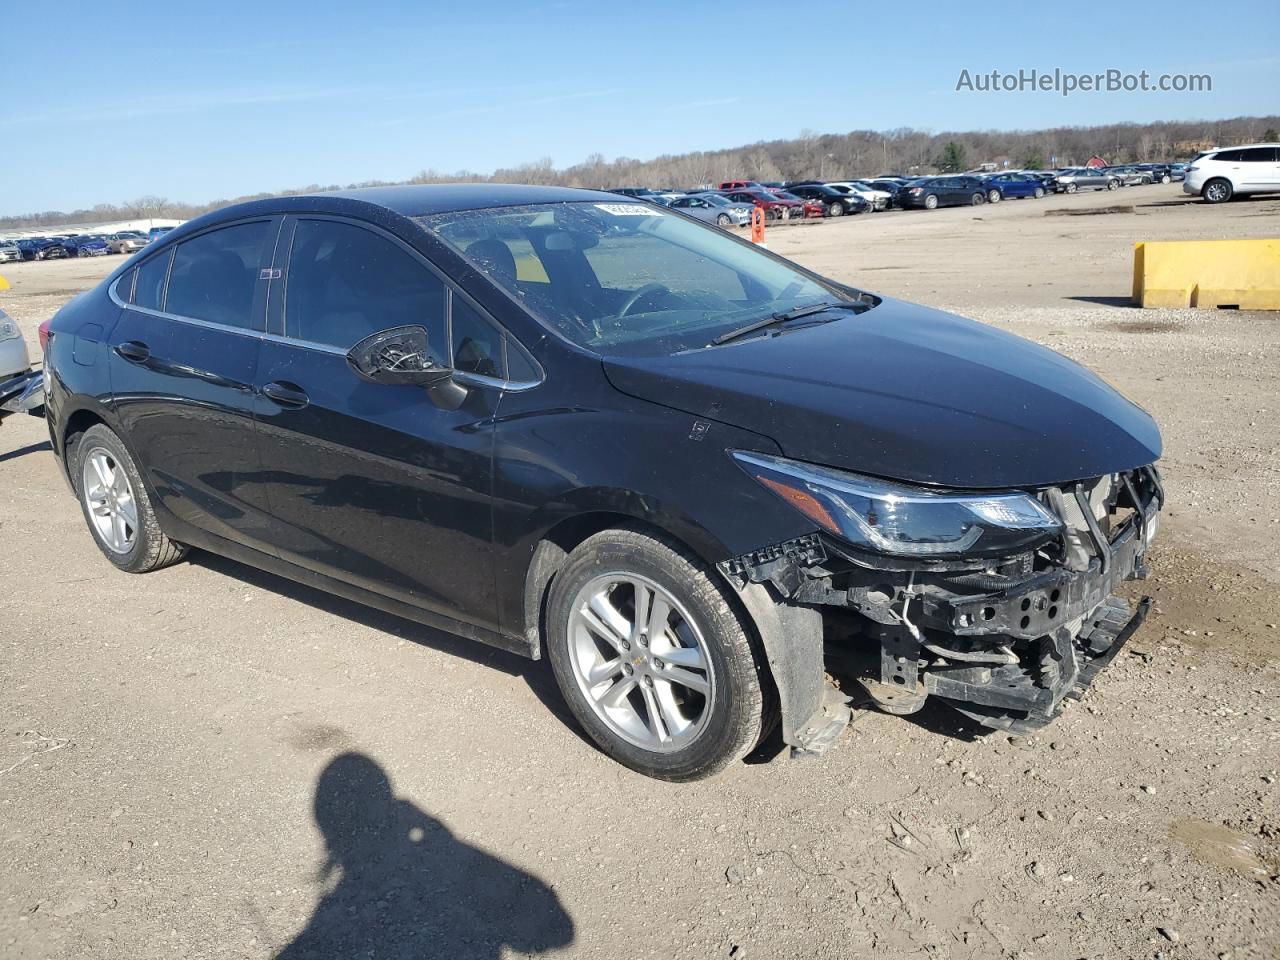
{"x":951,"y":190}
{"x":447,"y":516}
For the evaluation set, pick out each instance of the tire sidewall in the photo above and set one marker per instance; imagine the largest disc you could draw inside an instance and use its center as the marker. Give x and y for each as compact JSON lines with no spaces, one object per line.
{"x":735,"y":724}
{"x":147,"y":538}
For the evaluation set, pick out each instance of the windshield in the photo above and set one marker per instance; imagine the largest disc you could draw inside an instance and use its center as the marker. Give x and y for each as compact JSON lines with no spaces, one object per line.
{"x":716,"y":200}
{"x":626,"y":279}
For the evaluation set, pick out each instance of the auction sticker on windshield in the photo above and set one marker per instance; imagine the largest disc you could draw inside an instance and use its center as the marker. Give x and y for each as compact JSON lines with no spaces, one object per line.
{"x":628,"y":210}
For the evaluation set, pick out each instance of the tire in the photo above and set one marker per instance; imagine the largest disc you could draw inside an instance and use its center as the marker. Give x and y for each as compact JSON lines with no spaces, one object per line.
{"x":1039,"y":193}
{"x":835,"y":209}
{"x":1217,"y":190}
{"x":1072,"y":187}
{"x":1113,"y":184}
{"x":724,"y":220}
{"x":728,"y":717}
{"x":993,"y":196}
{"x":931,"y":202}
{"x":141,"y":545}
{"x":1166,"y":179}
{"x":978,"y":199}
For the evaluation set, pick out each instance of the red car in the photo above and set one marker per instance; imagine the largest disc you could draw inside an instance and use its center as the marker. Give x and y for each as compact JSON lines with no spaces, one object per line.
{"x":812,"y":208}
{"x":740,"y":185}
{"x":774,"y":207}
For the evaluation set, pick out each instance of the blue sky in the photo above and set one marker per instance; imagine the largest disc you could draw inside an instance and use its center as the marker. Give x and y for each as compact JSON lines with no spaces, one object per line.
{"x":112,"y":101}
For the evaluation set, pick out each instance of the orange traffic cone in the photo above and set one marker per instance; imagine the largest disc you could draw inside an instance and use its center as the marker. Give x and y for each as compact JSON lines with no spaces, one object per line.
{"x":757,"y":227}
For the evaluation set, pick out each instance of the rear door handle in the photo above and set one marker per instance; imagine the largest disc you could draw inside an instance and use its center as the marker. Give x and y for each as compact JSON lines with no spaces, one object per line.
{"x":285,"y":394}
{"x":135,"y":351}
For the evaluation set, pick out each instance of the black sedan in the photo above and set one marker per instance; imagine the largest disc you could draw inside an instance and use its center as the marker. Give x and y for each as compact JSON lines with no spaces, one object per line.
{"x":42,"y":248}
{"x":945,"y":191}
{"x":583,"y":427}
{"x":834,"y":203}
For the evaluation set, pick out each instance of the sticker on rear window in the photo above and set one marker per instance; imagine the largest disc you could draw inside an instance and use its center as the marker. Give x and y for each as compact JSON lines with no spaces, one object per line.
{"x":628,"y":210}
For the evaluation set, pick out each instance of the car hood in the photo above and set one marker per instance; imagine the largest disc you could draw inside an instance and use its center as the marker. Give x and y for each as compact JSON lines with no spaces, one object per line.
{"x":908,"y":393}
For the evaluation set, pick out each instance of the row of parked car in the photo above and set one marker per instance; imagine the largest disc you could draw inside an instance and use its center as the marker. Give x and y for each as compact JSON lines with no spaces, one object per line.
{"x":731,"y":203}
{"x":64,"y":245}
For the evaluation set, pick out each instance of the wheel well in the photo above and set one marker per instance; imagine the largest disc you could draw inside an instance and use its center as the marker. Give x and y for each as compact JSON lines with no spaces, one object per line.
{"x":77,"y":423}
{"x":554,"y":548}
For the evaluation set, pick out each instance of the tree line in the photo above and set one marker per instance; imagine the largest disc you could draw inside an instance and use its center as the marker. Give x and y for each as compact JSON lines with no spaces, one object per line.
{"x":811,"y":155}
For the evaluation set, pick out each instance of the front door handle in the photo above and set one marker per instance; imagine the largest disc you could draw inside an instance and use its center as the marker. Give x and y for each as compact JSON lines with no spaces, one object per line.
{"x":286,"y":394}
{"x":135,"y":351}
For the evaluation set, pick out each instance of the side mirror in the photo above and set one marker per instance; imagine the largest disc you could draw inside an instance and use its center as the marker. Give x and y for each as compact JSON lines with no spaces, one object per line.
{"x":401,"y":355}
{"x":397,"y":355}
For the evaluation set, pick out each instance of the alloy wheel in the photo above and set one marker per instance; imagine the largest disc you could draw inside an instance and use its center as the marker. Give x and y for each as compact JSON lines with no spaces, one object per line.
{"x":108,"y":495}
{"x":641,"y":662}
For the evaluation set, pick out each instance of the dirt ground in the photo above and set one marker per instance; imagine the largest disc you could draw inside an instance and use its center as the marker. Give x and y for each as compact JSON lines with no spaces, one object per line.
{"x":214,"y":762}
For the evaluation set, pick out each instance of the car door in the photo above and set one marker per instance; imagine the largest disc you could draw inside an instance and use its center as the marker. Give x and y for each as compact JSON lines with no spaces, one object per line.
{"x":181,"y":362}
{"x":376,"y":484}
{"x":1258,"y":168}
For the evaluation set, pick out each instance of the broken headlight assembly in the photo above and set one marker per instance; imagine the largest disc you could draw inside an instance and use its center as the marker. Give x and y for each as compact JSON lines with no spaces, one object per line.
{"x":899,"y":520}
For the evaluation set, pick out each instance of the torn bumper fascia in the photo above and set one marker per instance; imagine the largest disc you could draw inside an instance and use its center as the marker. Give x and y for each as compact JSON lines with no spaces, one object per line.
{"x":23,"y":394}
{"x":1007,"y":657}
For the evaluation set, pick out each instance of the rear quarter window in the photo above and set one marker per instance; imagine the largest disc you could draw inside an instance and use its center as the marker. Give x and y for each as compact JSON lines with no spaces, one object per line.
{"x":149,"y":289}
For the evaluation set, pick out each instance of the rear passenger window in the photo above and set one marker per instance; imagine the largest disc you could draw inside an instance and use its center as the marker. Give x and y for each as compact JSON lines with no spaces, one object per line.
{"x":477,"y":346}
{"x":346,"y":282}
{"x":124,"y":287}
{"x":149,"y":291}
{"x":214,"y":275}
{"x":1259,"y":155}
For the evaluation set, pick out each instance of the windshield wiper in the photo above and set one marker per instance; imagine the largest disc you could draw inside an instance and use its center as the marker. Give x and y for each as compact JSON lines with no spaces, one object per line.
{"x":786,"y":316}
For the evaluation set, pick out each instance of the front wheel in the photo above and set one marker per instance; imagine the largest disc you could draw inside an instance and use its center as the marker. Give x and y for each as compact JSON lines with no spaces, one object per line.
{"x":1217,"y":190}
{"x":652,"y":659}
{"x":1039,"y":193}
{"x":993,"y":196}
{"x":1166,"y":179}
{"x":835,"y":209}
{"x":116,"y":505}
{"x":1072,"y":188}
{"x":1113,"y":184}
{"x":724,"y":220}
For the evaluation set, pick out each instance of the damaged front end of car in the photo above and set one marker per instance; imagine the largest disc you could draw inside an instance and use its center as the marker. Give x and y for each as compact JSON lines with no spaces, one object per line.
{"x":1002,"y":604}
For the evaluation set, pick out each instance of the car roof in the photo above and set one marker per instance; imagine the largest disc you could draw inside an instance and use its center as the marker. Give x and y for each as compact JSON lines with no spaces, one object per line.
{"x":425,"y":199}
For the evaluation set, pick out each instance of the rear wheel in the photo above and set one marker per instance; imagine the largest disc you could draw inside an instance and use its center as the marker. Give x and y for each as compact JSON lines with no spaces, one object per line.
{"x":1217,"y":190}
{"x":978,"y":199}
{"x":116,"y":505}
{"x":931,"y":202}
{"x":652,"y":659}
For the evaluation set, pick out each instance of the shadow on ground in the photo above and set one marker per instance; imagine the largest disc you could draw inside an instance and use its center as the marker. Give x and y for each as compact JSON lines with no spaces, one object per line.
{"x":407,"y":887}
{"x":41,"y":447}
{"x":1106,"y":301}
{"x":536,"y":673}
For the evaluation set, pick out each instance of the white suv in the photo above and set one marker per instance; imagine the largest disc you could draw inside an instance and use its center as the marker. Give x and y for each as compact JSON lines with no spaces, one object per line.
{"x":1221,"y":174}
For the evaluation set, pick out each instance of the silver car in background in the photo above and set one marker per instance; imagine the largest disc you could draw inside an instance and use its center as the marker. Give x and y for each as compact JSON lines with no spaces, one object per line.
{"x":9,"y":251}
{"x":126,"y":241}
{"x":21,"y":388}
{"x":713,"y":208}
{"x":1074,"y":179}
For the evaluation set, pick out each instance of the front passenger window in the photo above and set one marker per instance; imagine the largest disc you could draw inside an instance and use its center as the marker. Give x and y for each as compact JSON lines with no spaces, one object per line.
{"x":346,"y":282}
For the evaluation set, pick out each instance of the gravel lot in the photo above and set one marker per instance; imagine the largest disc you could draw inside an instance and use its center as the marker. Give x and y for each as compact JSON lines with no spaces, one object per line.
{"x":214,"y":762}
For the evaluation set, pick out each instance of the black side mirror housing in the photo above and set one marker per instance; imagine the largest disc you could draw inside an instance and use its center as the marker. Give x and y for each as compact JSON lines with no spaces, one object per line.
{"x":397,"y":355}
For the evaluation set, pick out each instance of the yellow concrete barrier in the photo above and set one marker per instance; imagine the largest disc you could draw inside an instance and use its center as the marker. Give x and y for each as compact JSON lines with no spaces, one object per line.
{"x":1208,"y":273}
{"x":4,"y":284}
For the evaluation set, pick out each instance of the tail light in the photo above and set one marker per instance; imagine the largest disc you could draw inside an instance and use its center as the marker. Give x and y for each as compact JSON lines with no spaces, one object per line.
{"x":43,"y":330}
{"x":916,"y":191}
{"x":1190,"y":169}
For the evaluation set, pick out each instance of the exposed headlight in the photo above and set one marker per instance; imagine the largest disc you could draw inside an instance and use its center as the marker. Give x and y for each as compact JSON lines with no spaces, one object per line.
{"x":905,"y":521}
{"x":8,"y":329}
